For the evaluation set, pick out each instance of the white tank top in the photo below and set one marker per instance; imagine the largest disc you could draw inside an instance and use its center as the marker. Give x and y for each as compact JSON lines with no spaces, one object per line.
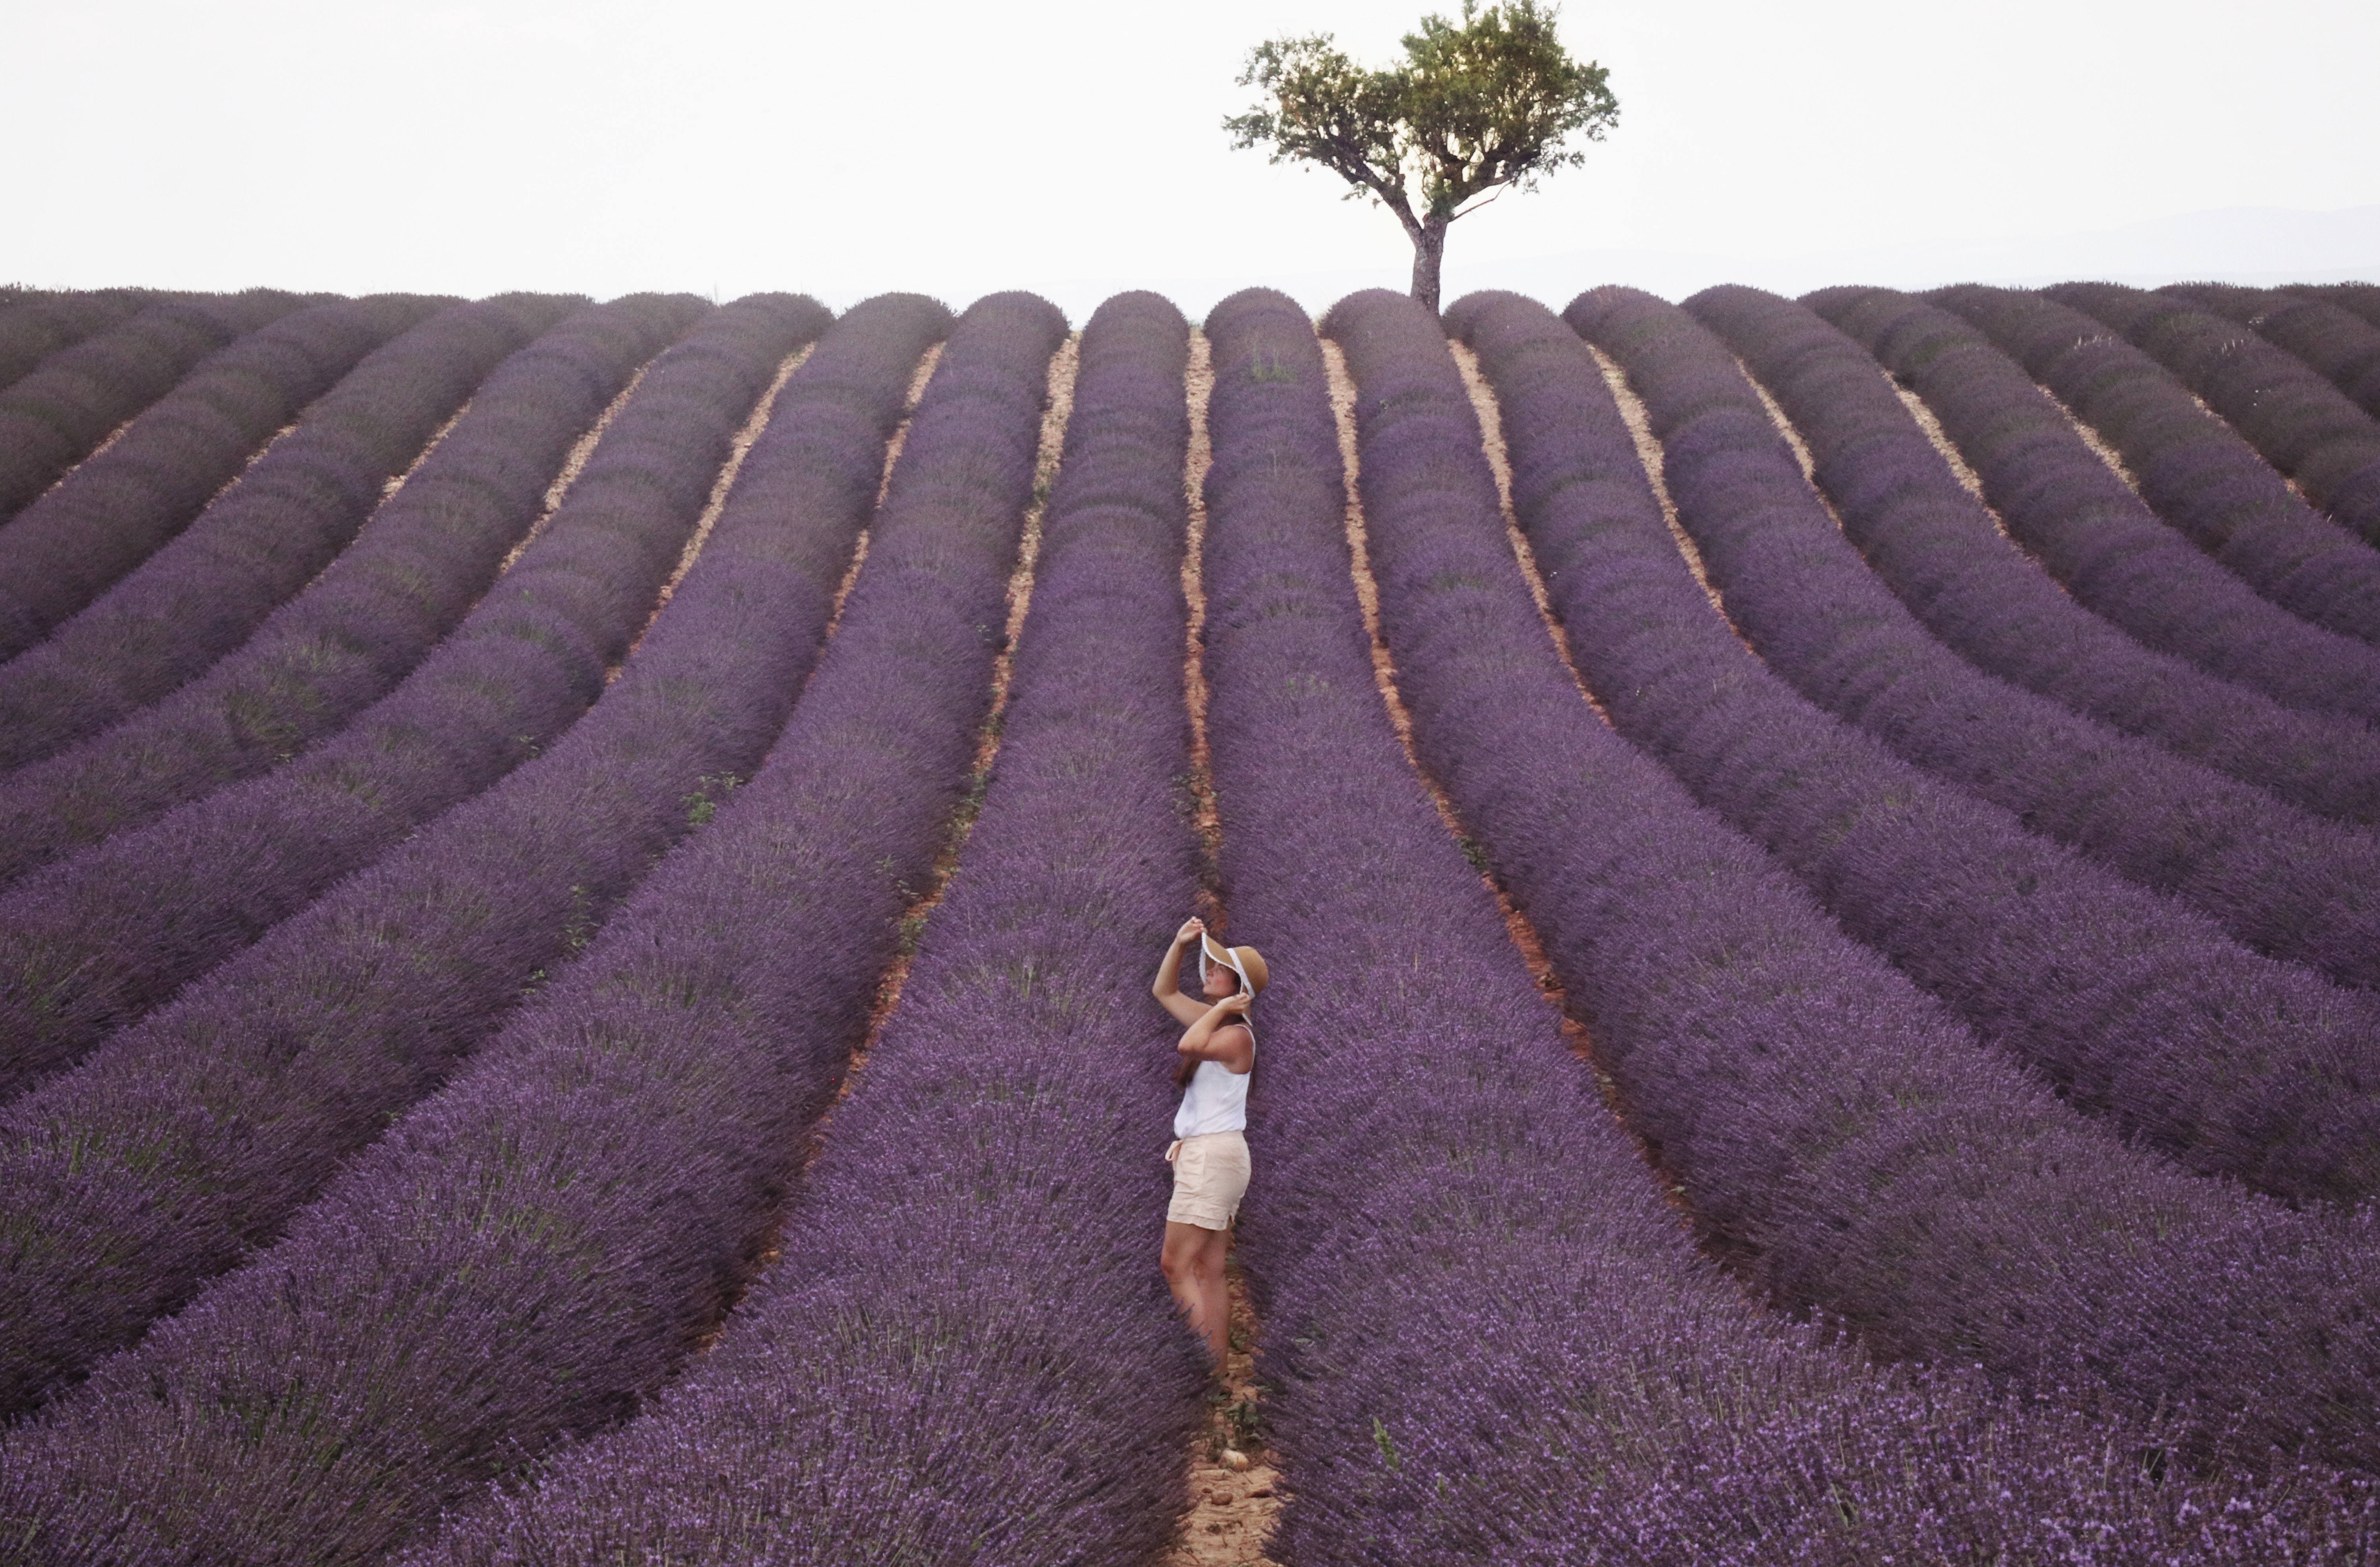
{"x":1216,"y":1101}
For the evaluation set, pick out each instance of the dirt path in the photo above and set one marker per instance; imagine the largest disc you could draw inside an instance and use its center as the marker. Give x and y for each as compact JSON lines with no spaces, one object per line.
{"x":1198,"y":380}
{"x":1055,"y":411}
{"x":1648,"y":457}
{"x":1059,"y":406}
{"x":1231,"y":1508}
{"x":573,"y":463}
{"x":1499,"y":463}
{"x":397,"y":483}
{"x":1574,"y":1031}
{"x":762,"y":411}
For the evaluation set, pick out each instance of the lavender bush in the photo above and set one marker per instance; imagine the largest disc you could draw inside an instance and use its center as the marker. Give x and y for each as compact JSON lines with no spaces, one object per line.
{"x":373,"y":613}
{"x":38,"y":325}
{"x":2061,"y":502}
{"x":2200,"y":477}
{"x":1837,"y":1136}
{"x":543,"y":1242}
{"x":2329,"y":337}
{"x":92,"y":942}
{"x":2134,"y":1008}
{"x":2358,"y":299}
{"x":290,"y":514}
{"x":964,"y":1353}
{"x":1488,"y":1337}
{"x":198,"y":1132}
{"x":1938,"y":549}
{"x":52,"y":417}
{"x":2287,"y":882}
{"x":114,"y":510}
{"x":2303,"y":425}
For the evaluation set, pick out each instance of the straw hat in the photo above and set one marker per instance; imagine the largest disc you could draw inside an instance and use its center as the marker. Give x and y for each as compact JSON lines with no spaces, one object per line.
{"x":1245,"y":962}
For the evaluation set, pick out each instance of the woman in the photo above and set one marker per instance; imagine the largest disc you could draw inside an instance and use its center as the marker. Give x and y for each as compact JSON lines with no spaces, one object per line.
{"x":1210,"y":1153}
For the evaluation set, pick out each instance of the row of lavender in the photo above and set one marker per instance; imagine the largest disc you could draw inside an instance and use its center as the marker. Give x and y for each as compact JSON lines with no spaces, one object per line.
{"x":143,"y":1171}
{"x":1822,"y":1115}
{"x":115,"y":508}
{"x":1490,"y":1338}
{"x":2135,"y":1007}
{"x":424,"y":557}
{"x":94,"y":941}
{"x":64,"y":405}
{"x":541,"y":1242}
{"x":200,"y":595}
{"x":36,"y":324}
{"x":2303,"y":423}
{"x":964,"y":1351}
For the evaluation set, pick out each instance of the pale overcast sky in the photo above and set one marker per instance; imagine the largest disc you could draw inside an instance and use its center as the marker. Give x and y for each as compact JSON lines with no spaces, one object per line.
{"x":1074,"y":148}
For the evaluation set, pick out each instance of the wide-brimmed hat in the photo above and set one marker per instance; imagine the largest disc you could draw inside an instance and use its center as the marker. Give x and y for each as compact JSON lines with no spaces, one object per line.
{"x":1245,"y":962}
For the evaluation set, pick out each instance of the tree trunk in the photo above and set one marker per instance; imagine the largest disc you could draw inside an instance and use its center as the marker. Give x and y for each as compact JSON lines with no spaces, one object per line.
{"x":1429,"y":249}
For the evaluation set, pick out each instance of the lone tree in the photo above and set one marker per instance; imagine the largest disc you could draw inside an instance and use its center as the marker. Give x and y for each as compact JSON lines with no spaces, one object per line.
{"x":1473,"y":108}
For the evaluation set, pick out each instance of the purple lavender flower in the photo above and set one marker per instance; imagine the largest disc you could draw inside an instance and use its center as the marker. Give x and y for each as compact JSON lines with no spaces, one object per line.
{"x":2285,"y":883}
{"x":426,"y":554}
{"x":1937,"y":548}
{"x":115,"y":508}
{"x":2303,"y":425}
{"x":52,"y":416}
{"x":93,"y":941}
{"x":289,"y":515}
{"x":2193,"y":468}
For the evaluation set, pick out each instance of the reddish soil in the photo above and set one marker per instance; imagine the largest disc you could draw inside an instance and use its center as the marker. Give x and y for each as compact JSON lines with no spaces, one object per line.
{"x":758,"y":421}
{"x":1055,"y":413}
{"x":1060,"y":404}
{"x":573,"y":465}
{"x":393,"y":485}
{"x":1198,"y":380}
{"x":1231,"y":1510}
{"x":1649,"y":452}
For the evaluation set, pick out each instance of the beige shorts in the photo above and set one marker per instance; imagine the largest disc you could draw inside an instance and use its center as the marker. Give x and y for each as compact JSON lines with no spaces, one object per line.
{"x":1210,"y":1175}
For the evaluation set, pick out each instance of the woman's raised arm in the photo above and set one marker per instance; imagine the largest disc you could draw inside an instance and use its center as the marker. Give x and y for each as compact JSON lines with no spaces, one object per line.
{"x":1167,"y":987}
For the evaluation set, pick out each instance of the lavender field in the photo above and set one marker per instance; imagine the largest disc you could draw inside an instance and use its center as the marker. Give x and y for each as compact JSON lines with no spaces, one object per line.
{"x":579,"y":884}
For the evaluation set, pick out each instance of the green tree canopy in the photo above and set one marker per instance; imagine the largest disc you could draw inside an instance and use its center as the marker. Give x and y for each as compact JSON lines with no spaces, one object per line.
{"x":1473,"y":109}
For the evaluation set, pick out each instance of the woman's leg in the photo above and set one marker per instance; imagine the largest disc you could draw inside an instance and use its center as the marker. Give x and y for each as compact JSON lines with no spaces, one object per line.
{"x":1193,"y":1261}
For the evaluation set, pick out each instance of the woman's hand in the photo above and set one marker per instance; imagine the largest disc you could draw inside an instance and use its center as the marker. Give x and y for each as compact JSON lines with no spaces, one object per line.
{"x":1231,"y":1006}
{"x":1167,"y":986}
